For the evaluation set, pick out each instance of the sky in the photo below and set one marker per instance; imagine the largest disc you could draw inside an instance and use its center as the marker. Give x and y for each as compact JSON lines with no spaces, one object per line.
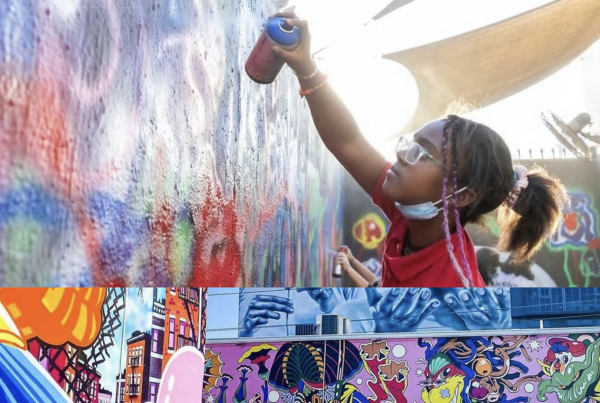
{"x":382,"y":94}
{"x":218,"y":324}
{"x":378,"y":102}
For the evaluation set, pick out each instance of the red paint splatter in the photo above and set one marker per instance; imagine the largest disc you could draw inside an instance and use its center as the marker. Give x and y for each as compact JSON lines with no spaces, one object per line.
{"x":594,"y":243}
{"x":217,"y":254}
{"x":571,"y":221}
{"x":161,"y":234}
{"x":35,"y":129}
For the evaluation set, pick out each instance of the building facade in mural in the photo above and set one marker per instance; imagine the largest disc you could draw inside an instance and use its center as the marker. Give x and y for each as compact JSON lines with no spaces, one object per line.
{"x":475,"y":369}
{"x":70,"y":340}
{"x":134,"y":150}
{"x":571,"y":258}
{"x":268,"y":312}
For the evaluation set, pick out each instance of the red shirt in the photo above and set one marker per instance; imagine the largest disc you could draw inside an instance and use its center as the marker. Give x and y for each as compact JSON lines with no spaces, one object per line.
{"x":429,"y":267}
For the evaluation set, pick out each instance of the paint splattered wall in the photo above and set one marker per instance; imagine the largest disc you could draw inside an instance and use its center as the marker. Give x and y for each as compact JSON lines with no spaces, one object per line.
{"x":134,"y":149}
{"x":515,"y":369}
{"x":100,"y":345}
{"x":570,"y":259}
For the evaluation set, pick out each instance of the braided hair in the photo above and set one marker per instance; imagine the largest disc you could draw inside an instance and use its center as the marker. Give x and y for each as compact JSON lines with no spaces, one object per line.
{"x":481,"y":161}
{"x":466,"y":280}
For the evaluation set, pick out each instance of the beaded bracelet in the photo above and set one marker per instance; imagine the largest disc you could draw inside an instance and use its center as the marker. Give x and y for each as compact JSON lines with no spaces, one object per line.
{"x":309,"y":91}
{"x":311,"y":75}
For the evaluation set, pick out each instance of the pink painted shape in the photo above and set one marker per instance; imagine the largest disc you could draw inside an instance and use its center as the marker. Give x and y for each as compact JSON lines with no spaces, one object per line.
{"x":183,"y":377}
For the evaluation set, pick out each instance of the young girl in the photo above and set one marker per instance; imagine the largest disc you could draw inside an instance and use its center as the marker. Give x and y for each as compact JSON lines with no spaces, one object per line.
{"x":358,"y":274}
{"x":452,"y":173}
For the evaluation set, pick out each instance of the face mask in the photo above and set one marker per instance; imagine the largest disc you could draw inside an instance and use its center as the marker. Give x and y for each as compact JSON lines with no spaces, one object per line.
{"x":423,"y":211}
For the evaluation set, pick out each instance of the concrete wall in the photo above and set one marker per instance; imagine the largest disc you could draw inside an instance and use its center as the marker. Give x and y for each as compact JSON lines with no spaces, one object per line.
{"x":134,"y":149}
{"x":508,"y":369}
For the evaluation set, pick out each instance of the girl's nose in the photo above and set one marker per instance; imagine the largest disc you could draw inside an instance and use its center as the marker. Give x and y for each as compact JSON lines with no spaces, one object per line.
{"x":400,"y":154}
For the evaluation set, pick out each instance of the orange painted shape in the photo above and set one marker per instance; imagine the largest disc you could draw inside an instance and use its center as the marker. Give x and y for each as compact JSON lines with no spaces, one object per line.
{"x":56,"y":315}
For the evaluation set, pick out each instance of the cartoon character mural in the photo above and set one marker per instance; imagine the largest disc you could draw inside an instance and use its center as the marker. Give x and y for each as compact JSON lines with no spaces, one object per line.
{"x":64,"y":344}
{"x":573,"y":365}
{"x":579,"y":239}
{"x":474,"y":369}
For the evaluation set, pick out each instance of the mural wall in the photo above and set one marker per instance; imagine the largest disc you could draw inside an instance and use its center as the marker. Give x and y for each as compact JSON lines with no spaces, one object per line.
{"x":570,"y":259}
{"x":509,"y":369}
{"x":101,"y":345}
{"x":270,"y":312}
{"x":134,"y":150}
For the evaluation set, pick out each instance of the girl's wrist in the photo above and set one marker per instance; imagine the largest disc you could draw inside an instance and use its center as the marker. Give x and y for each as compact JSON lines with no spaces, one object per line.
{"x":305,"y":70}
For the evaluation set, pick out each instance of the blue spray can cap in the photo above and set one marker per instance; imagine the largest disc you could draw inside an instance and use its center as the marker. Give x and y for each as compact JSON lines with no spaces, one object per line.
{"x":281,"y":32}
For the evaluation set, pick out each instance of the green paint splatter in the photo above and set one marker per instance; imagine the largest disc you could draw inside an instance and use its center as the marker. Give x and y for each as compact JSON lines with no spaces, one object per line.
{"x":492,"y":225}
{"x":22,"y":242}
{"x":181,"y":247}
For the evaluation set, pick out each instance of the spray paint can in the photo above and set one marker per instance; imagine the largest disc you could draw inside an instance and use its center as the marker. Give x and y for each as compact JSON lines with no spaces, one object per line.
{"x":262,"y":65}
{"x":337,"y":270}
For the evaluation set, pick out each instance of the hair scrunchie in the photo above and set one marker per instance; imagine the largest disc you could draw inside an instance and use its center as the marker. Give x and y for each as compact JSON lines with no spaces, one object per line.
{"x":520,"y":184}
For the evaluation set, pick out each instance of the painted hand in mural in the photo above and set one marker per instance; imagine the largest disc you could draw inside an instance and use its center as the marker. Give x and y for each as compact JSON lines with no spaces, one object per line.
{"x":477,"y":308}
{"x":401,"y":309}
{"x":322,"y":296}
{"x":261,"y":309}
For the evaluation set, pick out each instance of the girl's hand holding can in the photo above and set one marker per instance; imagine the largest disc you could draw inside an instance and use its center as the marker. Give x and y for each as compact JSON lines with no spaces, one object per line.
{"x":299,"y":59}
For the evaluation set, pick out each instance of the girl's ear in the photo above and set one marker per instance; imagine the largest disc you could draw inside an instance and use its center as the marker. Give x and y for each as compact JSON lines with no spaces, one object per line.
{"x":466,"y":197}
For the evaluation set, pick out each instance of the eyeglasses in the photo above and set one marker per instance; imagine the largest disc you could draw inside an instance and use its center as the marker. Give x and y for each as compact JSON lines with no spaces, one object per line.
{"x":414,"y":152}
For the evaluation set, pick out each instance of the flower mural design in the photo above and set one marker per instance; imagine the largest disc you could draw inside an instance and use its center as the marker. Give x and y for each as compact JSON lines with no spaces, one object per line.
{"x":258,"y":355}
{"x":315,"y":370}
{"x":212,"y":370}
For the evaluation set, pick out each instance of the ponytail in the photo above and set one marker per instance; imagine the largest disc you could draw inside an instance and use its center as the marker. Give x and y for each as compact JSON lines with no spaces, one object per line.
{"x":532,"y":213}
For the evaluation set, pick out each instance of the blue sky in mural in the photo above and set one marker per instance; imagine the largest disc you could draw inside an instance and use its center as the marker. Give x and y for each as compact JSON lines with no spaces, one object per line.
{"x":222,"y":313}
{"x":138,"y":317}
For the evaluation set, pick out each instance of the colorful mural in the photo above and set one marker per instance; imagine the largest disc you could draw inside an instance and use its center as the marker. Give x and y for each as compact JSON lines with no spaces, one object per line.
{"x":272,"y":312}
{"x":99,"y":345}
{"x":494,"y":369}
{"x":134,"y":150}
{"x":570,"y":259}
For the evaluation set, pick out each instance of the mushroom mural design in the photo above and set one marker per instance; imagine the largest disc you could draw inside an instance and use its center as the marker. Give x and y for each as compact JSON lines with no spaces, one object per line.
{"x":300,"y":369}
{"x":259,"y":355}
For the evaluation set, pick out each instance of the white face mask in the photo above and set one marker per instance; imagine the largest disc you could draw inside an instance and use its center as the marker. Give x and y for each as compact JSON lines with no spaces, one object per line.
{"x":423,"y":211}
